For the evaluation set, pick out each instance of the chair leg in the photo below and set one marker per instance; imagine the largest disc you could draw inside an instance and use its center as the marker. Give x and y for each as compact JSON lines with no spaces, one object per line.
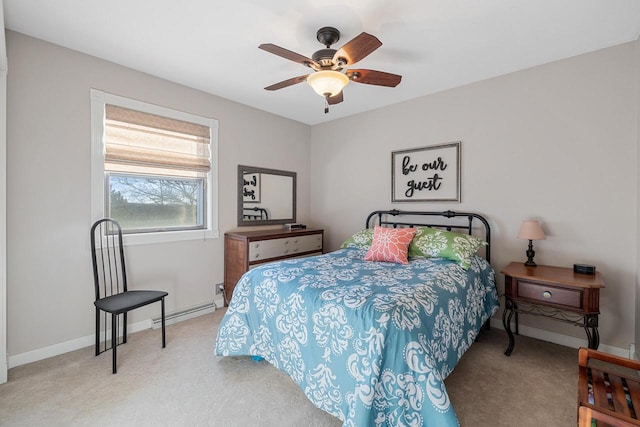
{"x":164,"y":341}
{"x":114,"y":337}
{"x":98,"y":331}
{"x":124,"y":327}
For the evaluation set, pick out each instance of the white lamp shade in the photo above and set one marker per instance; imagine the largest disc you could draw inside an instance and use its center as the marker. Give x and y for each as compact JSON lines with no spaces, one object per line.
{"x":531,"y":230}
{"x":327,"y":82}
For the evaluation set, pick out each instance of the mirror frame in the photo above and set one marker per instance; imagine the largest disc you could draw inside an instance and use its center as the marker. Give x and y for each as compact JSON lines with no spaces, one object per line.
{"x":252,"y":169}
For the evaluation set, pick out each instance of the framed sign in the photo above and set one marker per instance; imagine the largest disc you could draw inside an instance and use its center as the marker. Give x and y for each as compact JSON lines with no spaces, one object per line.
{"x":251,"y":188}
{"x":426,"y":174}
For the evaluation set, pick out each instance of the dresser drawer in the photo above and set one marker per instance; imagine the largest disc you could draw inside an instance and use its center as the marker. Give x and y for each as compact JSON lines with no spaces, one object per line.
{"x":284,"y":247}
{"x":550,"y":294}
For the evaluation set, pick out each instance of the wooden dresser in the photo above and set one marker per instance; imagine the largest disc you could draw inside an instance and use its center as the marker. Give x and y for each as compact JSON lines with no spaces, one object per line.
{"x":244,"y":250}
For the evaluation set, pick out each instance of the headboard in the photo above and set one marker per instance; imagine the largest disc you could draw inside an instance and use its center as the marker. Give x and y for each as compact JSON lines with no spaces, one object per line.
{"x":255,"y":213}
{"x":396,"y":218}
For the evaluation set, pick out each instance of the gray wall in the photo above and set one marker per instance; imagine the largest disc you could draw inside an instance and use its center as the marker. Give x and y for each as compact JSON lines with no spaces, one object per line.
{"x":637,"y":310}
{"x":50,"y":288}
{"x":3,"y":202}
{"x":557,"y":143}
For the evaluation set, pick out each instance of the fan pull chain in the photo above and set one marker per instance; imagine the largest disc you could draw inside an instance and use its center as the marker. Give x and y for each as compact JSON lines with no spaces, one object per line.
{"x":326,"y":104}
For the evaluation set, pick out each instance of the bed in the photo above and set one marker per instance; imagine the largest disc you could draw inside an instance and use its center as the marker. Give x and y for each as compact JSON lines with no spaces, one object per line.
{"x":370,"y":342}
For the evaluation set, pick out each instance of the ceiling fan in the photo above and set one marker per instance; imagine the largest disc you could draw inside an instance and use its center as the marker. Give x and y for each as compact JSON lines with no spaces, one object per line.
{"x":328,"y":78}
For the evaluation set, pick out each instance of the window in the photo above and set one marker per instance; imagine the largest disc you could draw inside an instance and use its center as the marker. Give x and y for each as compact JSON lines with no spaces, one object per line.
{"x":153,"y":170}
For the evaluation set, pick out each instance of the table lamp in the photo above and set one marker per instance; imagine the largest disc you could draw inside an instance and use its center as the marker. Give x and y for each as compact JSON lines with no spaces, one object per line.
{"x":531,"y":230}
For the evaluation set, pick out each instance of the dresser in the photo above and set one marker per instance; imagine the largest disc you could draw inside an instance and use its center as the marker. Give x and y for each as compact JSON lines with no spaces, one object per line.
{"x":244,"y":250}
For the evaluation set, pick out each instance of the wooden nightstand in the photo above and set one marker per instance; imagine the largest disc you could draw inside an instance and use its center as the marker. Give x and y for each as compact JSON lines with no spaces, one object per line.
{"x":554,"y":292}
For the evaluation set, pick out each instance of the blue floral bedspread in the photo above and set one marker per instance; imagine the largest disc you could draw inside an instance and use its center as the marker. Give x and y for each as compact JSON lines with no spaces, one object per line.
{"x":368,"y":342}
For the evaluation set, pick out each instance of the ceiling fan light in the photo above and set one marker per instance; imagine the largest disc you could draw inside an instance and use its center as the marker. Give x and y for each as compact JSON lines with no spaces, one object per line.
{"x":327,"y":83}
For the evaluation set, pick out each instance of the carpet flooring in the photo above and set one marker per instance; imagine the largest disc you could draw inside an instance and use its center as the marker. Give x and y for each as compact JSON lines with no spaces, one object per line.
{"x":185,"y":384}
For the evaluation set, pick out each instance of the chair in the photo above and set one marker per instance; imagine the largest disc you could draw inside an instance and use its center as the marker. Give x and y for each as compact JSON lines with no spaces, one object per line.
{"x":110,"y":280}
{"x":608,"y":390}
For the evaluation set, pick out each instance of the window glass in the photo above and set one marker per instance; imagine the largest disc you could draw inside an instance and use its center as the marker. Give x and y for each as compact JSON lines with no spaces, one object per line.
{"x":147,"y":203}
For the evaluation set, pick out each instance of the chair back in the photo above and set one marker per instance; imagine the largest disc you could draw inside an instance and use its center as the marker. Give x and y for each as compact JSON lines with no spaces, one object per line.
{"x":107,"y":253}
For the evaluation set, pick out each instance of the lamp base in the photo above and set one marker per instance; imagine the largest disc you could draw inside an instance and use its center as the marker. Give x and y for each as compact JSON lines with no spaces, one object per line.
{"x":530,"y":254}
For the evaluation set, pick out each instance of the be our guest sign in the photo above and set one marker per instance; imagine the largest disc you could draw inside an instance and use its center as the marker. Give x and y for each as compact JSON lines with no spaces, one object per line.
{"x":426,"y":174}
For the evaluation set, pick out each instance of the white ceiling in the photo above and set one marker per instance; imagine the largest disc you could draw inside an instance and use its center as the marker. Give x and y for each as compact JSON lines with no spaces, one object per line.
{"x":434,"y":44}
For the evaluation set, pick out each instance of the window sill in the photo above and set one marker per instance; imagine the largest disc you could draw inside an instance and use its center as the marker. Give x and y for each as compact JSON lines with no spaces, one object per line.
{"x":169,"y":236}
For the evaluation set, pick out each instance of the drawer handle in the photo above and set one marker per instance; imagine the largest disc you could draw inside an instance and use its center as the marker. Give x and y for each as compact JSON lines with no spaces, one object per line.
{"x":547,"y":294}
{"x":286,"y":242}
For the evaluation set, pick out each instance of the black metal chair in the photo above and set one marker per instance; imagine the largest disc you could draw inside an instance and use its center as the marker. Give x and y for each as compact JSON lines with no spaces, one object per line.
{"x":110,"y":279}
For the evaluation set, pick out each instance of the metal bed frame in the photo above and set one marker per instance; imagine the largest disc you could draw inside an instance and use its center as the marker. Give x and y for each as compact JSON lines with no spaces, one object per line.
{"x":255,"y":213}
{"x":391,"y":218}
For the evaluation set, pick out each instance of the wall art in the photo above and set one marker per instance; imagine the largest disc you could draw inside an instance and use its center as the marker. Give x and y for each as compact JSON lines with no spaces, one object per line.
{"x":426,"y":174}
{"x":251,"y":188}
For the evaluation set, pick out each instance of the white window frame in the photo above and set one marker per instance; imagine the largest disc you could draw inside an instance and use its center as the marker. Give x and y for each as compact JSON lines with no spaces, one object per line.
{"x":98,"y":101}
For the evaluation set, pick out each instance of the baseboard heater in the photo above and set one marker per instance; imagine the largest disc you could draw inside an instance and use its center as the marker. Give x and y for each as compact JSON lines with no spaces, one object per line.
{"x":187,"y":313}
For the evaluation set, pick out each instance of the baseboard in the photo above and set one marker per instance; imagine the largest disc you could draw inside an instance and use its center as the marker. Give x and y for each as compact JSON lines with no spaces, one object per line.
{"x":89,"y":340}
{"x":4,"y":367}
{"x":187,"y":313}
{"x":86,"y":341}
{"x":219,"y":302}
{"x":67,"y":346}
{"x":565,"y":340}
{"x":632,"y":352}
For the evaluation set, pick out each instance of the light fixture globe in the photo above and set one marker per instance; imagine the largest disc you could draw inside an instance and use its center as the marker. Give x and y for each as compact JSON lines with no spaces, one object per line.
{"x":327,"y":83}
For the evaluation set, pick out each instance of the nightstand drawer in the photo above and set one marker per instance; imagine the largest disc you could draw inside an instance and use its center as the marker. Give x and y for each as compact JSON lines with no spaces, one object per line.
{"x":550,"y":294}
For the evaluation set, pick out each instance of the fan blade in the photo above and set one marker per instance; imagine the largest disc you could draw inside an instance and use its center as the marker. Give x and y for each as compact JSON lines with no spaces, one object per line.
{"x":286,"y":83}
{"x":336,"y":99}
{"x":356,"y":49}
{"x":287,"y":54}
{"x":373,"y":77}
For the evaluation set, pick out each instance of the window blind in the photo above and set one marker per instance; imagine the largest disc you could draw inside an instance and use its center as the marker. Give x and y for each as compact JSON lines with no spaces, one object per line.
{"x":135,"y":140}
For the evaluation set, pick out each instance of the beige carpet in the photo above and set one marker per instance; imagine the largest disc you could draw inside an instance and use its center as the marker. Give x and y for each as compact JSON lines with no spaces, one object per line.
{"x":186,"y":385}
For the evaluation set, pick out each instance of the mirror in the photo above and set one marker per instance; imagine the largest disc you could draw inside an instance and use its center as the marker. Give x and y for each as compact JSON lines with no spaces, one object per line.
{"x":266,"y":196}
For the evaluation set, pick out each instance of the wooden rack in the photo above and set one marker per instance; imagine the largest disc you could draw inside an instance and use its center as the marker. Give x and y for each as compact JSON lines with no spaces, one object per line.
{"x":608,"y":390}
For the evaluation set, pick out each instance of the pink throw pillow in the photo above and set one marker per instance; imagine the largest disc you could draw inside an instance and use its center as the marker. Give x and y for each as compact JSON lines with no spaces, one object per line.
{"x":390,"y":244}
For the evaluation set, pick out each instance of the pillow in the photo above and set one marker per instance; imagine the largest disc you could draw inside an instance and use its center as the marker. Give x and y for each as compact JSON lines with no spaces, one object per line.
{"x":362,"y":239}
{"x":431,"y":242}
{"x":390,"y":244}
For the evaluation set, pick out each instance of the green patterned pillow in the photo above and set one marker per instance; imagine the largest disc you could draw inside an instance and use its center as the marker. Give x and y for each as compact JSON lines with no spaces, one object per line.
{"x":362,"y":239}
{"x":431,"y":243}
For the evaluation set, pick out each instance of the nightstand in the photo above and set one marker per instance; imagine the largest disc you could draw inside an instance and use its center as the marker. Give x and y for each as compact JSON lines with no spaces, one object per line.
{"x":553,"y":292}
